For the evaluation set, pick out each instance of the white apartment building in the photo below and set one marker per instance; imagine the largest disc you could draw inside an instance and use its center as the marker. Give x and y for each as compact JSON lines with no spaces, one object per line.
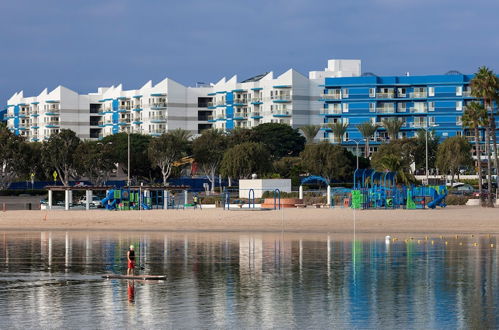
{"x":289,"y":98}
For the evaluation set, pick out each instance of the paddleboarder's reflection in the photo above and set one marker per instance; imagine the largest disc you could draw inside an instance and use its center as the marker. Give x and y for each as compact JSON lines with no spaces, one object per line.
{"x":131,"y":291}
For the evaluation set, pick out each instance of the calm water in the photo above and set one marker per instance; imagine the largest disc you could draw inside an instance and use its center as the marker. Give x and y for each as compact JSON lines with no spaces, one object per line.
{"x":52,"y":280}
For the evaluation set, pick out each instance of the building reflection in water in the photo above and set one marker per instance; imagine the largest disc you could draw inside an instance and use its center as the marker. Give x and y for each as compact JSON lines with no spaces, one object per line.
{"x":265,"y":280}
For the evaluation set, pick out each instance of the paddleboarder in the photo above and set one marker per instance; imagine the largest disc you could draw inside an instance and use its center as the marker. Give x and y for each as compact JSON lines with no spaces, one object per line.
{"x":130,"y":255}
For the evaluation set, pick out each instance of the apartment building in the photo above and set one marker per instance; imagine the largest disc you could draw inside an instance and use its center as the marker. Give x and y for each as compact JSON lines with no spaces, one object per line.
{"x":152,"y":109}
{"x":434,"y":102}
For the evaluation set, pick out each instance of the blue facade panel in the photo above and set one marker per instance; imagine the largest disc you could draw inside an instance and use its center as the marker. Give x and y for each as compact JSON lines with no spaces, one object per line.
{"x":419,"y":101}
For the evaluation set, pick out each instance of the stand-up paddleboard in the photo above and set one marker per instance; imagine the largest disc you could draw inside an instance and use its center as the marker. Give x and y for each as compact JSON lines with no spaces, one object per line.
{"x":135,"y":277}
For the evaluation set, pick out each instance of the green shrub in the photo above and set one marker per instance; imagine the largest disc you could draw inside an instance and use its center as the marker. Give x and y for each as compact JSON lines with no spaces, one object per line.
{"x":270,"y":194}
{"x":456,"y":200}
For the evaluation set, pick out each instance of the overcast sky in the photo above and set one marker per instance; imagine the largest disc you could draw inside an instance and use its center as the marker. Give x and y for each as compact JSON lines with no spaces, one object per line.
{"x":82,"y":44}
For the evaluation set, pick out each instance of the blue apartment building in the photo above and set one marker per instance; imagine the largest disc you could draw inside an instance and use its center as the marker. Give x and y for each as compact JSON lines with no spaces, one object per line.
{"x":434,"y":101}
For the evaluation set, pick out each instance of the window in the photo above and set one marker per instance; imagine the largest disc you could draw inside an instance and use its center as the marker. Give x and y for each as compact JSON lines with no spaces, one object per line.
{"x":459,"y":91}
{"x":372,"y":107}
{"x":431,"y":91}
{"x":431,"y":121}
{"x":431,"y":106}
{"x":459,"y":120}
{"x":459,"y":105}
{"x":402,"y":107}
{"x":344,"y":120}
{"x":401,"y":92}
{"x":345,"y":92}
{"x":345,"y":107}
{"x":372,"y":92}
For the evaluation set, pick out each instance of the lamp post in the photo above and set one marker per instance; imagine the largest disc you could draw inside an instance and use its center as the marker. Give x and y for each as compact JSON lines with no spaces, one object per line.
{"x":427,"y":127}
{"x":357,"y":150}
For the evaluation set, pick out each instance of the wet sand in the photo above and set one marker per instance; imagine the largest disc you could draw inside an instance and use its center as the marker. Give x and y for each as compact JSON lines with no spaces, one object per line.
{"x":453,"y":219}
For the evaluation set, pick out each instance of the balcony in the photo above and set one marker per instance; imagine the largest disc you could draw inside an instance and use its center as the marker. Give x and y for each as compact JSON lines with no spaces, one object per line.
{"x":385,"y":95}
{"x":467,"y":94}
{"x":331,"y":111}
{"x":335,"y":96}
{"x":282,"y":98}
{"x":418,"y":95}
{"x":385,"y":109}
{"x":240,"y":102}
{"x":158,"y":106}
{"x":157,"y":131}
{"x":52,"y":112}
{"x":240,"y":116}
{"x":220,"y":103}
{"x":419,"y":109}
{"x":211,"y":105}
{"x":256,"y":100}
{"x":52,"y":125}
{"x":211,"y":119}
{"x":157,"y":119}
{"x":281,"y":113}
{"x":255,"y":115}
{"x":220,"y":117}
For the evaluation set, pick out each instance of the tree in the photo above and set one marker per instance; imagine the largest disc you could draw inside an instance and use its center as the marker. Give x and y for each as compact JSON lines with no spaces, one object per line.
{"x":290,"y":168}
{"x":339,"y":129}
{"x":167,"y":149}
{"x":330,"y":161}
{"x":10,"y":157}
{"x":140,"y":164}
{"x":485,"y":85}
{"x":93,"y":161}
{"x":474,"y":118}
{"x":280,"y":139}
{"x":240,"y":135}
{"x":367,"y":130}
{"x":310,"y":132}
{"x":244,"y":159}
{"x":392,"y":127}
{"x":208,"y":151}
{"x":59,"y":153}
{"x":453,"y":154}
{"x":396,"y":156}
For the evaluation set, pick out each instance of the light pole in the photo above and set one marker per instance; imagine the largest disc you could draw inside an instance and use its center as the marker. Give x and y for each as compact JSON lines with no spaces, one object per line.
{"x":357,"y":150}
{"x":128,"y":133}
{"x":427,"y":127}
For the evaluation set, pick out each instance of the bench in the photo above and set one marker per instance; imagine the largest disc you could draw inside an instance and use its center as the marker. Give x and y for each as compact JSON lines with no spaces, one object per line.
{"x":300,"y":206}
{"x":318,"y":205}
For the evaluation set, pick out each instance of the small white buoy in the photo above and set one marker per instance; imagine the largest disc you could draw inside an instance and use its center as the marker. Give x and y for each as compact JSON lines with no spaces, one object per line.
{"x":387,"y":239}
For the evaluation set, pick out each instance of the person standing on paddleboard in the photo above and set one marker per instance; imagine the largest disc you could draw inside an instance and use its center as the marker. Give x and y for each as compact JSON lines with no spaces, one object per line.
{"x":130,"y":255}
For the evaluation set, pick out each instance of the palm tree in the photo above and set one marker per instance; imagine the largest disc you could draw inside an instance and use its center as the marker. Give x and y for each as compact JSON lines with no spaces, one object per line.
{"x":393,"y":163}
{"x":475,"y":117}
{"x":485,"y":85}
{"x":181,"y":134}
{"x":392,"y":127}
{"x":367,"y":130}
{"x":339,"y":129}
{"x":310,"y":132}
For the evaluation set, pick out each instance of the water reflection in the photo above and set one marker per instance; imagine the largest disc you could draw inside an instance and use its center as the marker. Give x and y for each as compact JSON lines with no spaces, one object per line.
{"x":250,"y":279}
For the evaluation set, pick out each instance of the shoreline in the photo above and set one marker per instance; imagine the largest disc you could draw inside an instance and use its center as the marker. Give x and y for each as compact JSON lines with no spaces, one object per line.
{"x":451,"y":220}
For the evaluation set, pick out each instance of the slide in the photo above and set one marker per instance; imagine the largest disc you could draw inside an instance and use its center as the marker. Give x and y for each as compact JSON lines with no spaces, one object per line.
{"x":109,"y":202}
{"x":438,"y":200}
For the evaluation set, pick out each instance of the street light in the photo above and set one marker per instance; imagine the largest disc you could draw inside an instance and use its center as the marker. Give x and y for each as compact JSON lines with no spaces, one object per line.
{"x":426,"y":128}
{"x":357,"y":150}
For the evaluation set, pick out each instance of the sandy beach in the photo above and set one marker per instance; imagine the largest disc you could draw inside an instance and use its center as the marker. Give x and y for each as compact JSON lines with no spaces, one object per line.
{"x":452,"y":219}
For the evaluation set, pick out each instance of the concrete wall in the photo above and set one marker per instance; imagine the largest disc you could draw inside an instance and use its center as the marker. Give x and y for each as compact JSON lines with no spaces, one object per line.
{"x":261,"y":185}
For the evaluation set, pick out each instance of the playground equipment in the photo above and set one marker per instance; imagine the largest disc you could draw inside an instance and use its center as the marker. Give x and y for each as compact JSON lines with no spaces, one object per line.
{"x":380,"y":190}
{"x":226,"y":198}
{"x":145,"y":198}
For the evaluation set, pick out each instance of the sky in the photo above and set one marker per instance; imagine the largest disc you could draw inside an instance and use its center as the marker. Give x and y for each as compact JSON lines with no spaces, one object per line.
{"x":83,"y":44}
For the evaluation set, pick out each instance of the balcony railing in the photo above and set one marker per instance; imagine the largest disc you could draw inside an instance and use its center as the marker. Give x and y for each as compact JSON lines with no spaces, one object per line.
{"x":255,"y":114}
{"x":419,"y":110}
{"x":220,"y":117}
{"x":385,"y":109}
{"x":256,"y":100}
{"x":157,"y":118}
{"x":385,"y":95}
{"x":53,"y":112}
{"x":240,"y":115}
{"x":158,"y":105}
{"x":467,"y":93}
{"x":418,"y":95}
{"x":240,"y":101}
{"x":332,"y":111}
{"x":281,"y":97}
{"x":335,"y":96}
{"x":281,"y":113}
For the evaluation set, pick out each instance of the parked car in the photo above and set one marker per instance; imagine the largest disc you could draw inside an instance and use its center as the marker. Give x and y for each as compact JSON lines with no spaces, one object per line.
{"x":462,"y":189}
{"x":95,"y":202}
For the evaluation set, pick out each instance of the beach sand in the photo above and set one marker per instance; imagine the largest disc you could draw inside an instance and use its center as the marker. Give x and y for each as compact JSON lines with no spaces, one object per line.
{"x":450,"y":220}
